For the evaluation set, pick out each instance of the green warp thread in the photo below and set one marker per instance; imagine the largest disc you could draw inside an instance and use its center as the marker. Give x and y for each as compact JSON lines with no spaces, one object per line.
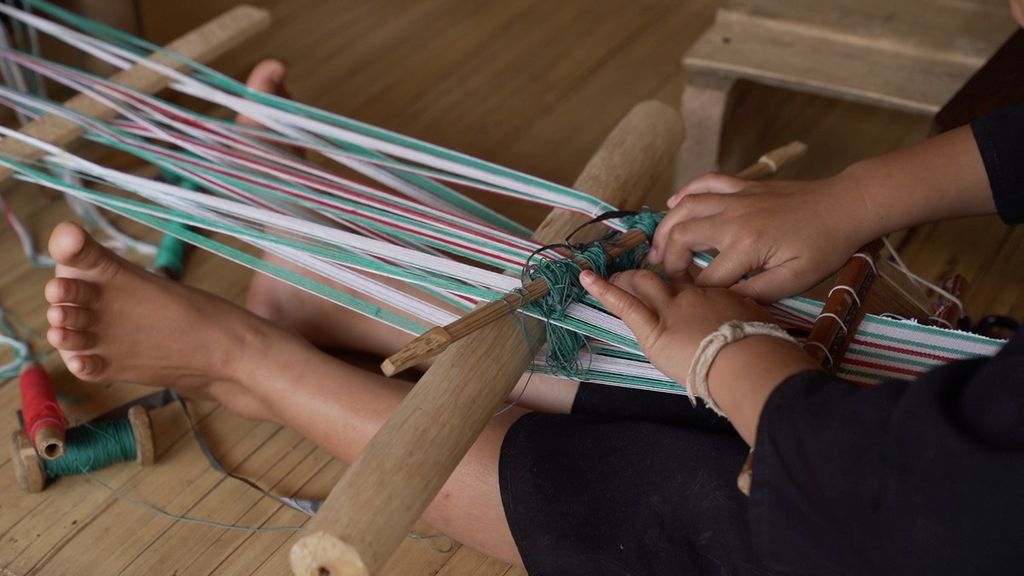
{"x":564,"y":289}
{"x":93,"y":447}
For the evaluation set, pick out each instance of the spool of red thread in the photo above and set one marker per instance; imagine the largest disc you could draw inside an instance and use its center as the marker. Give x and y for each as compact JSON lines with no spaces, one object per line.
{"x":44,"y":420}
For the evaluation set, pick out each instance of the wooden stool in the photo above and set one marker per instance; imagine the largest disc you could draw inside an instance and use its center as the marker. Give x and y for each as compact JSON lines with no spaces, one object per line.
{"x":911,"y":55}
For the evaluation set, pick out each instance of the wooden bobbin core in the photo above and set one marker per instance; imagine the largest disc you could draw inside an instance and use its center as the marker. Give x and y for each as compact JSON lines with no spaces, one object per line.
{"x":142,"y":428}
{"x":321,"y":554}
{"x":50,"y":442}
{"x":28,"y":467}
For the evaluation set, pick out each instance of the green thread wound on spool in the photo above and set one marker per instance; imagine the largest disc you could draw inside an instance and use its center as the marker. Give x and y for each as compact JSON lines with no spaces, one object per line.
{"x":171,"y":254}
{"x":93,"y":447}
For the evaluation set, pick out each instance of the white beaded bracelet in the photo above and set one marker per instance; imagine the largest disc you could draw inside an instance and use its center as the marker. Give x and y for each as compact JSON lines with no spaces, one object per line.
{"x":712,"y":344}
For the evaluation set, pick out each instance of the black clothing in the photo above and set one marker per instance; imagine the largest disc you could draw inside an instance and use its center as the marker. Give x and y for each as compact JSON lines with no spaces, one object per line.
{"x":1000,"y":139}
{"x":632,"y":482}
{"x":923,"y":477}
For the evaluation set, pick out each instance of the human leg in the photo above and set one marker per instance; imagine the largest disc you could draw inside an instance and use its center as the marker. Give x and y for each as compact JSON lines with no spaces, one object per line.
{"x":112,"y":320}
{"x":329,"y":326}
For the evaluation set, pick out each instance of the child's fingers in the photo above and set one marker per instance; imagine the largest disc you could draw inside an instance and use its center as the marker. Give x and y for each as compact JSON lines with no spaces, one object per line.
{"x":629,"y":308}
{"x":645,"y":285}
{"x":711,"y":182}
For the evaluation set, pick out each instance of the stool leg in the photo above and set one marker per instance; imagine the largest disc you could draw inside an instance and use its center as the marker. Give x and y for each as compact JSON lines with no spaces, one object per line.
{"x":705,"y":99}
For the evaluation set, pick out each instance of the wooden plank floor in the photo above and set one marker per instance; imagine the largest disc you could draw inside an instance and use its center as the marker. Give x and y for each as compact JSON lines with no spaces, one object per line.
{"x":531,"y":84}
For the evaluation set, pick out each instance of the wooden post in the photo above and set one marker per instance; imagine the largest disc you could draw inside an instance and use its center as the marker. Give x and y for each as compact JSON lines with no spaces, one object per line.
{"x":201,"y":44}
{"x":407,"y":462}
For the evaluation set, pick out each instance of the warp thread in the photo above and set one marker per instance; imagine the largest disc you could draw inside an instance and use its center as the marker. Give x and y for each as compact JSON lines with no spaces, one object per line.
{"x":20,"y":349}
{"x":564,"y":288}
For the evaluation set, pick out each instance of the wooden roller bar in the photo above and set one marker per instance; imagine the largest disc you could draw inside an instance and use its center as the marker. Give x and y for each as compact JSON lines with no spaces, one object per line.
{"x":843,"y":310}
{"x":382,"y":494}
{"x":201,"y":45}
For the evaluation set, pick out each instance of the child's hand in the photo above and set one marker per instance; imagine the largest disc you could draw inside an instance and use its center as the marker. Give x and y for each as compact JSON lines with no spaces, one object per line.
{"x":796,"y":232}
{"x":669,"y":322}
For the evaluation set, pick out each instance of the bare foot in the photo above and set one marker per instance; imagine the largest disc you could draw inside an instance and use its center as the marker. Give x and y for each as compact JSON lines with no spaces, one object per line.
{"x":111,"y":320}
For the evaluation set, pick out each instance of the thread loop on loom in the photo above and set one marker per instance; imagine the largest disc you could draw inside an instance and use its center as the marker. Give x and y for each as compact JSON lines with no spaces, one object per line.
{"x":564,"y":288}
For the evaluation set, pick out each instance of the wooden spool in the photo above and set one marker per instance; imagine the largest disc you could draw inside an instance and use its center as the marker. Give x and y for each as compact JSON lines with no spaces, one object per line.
{"x":28,"y":465}
{"x":382,"y":494}
{"x":142,"y":429}
{"x":49,"y":442}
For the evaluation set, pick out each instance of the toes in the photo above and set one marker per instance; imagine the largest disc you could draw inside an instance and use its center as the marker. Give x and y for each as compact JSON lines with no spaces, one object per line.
{"x":71,"y":246}
{"x":85,"y":366}
{"x":267,"y":76}
{"x":71,"y":291}
{"x":70,"y":340}
{"x":74,"y":317}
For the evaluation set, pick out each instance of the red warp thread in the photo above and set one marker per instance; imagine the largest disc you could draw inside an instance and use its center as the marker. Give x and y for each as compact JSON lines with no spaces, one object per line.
{"x":39,"y":405}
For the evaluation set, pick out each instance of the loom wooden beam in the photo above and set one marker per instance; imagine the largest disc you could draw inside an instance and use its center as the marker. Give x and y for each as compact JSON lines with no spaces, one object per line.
{"x":201,"y":45}
{"x":369,"y":512}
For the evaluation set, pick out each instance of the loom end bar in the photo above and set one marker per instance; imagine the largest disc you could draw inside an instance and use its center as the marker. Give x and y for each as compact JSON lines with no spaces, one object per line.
{"x":321,"y":554}
{"x":426,"y":345}
{"x":28,"y":468}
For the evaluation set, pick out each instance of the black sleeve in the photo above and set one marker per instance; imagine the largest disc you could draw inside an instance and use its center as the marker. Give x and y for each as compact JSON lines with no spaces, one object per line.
{"x":1000,"y":138}
{"x":923,"y":477}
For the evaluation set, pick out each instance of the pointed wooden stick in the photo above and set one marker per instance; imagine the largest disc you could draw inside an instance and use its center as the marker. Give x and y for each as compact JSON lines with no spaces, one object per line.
{"x":438,"y":338}
{"x":435,"y":340}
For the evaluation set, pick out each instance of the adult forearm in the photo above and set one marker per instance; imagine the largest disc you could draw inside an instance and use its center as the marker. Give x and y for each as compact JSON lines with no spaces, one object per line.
{"x":942,"y":177}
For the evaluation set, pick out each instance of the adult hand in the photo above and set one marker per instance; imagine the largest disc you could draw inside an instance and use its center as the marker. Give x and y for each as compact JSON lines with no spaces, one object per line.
{"x":794,"y":233}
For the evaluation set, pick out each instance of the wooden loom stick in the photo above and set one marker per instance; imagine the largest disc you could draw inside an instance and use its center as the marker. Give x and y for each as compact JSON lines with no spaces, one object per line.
{"x":201,"y":45}
{"x":835,"y":326}
{"x":382,"y":494}
{"x":771,"y":162}
{"x":438,"y":338}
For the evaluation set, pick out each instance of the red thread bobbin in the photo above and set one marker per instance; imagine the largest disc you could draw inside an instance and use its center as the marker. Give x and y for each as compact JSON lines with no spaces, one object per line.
{"x":45,"y":423}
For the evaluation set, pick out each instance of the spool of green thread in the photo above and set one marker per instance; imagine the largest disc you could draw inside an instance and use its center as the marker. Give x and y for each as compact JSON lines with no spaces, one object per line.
{"x":170,"y":257}
{"x":87,"y":448}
